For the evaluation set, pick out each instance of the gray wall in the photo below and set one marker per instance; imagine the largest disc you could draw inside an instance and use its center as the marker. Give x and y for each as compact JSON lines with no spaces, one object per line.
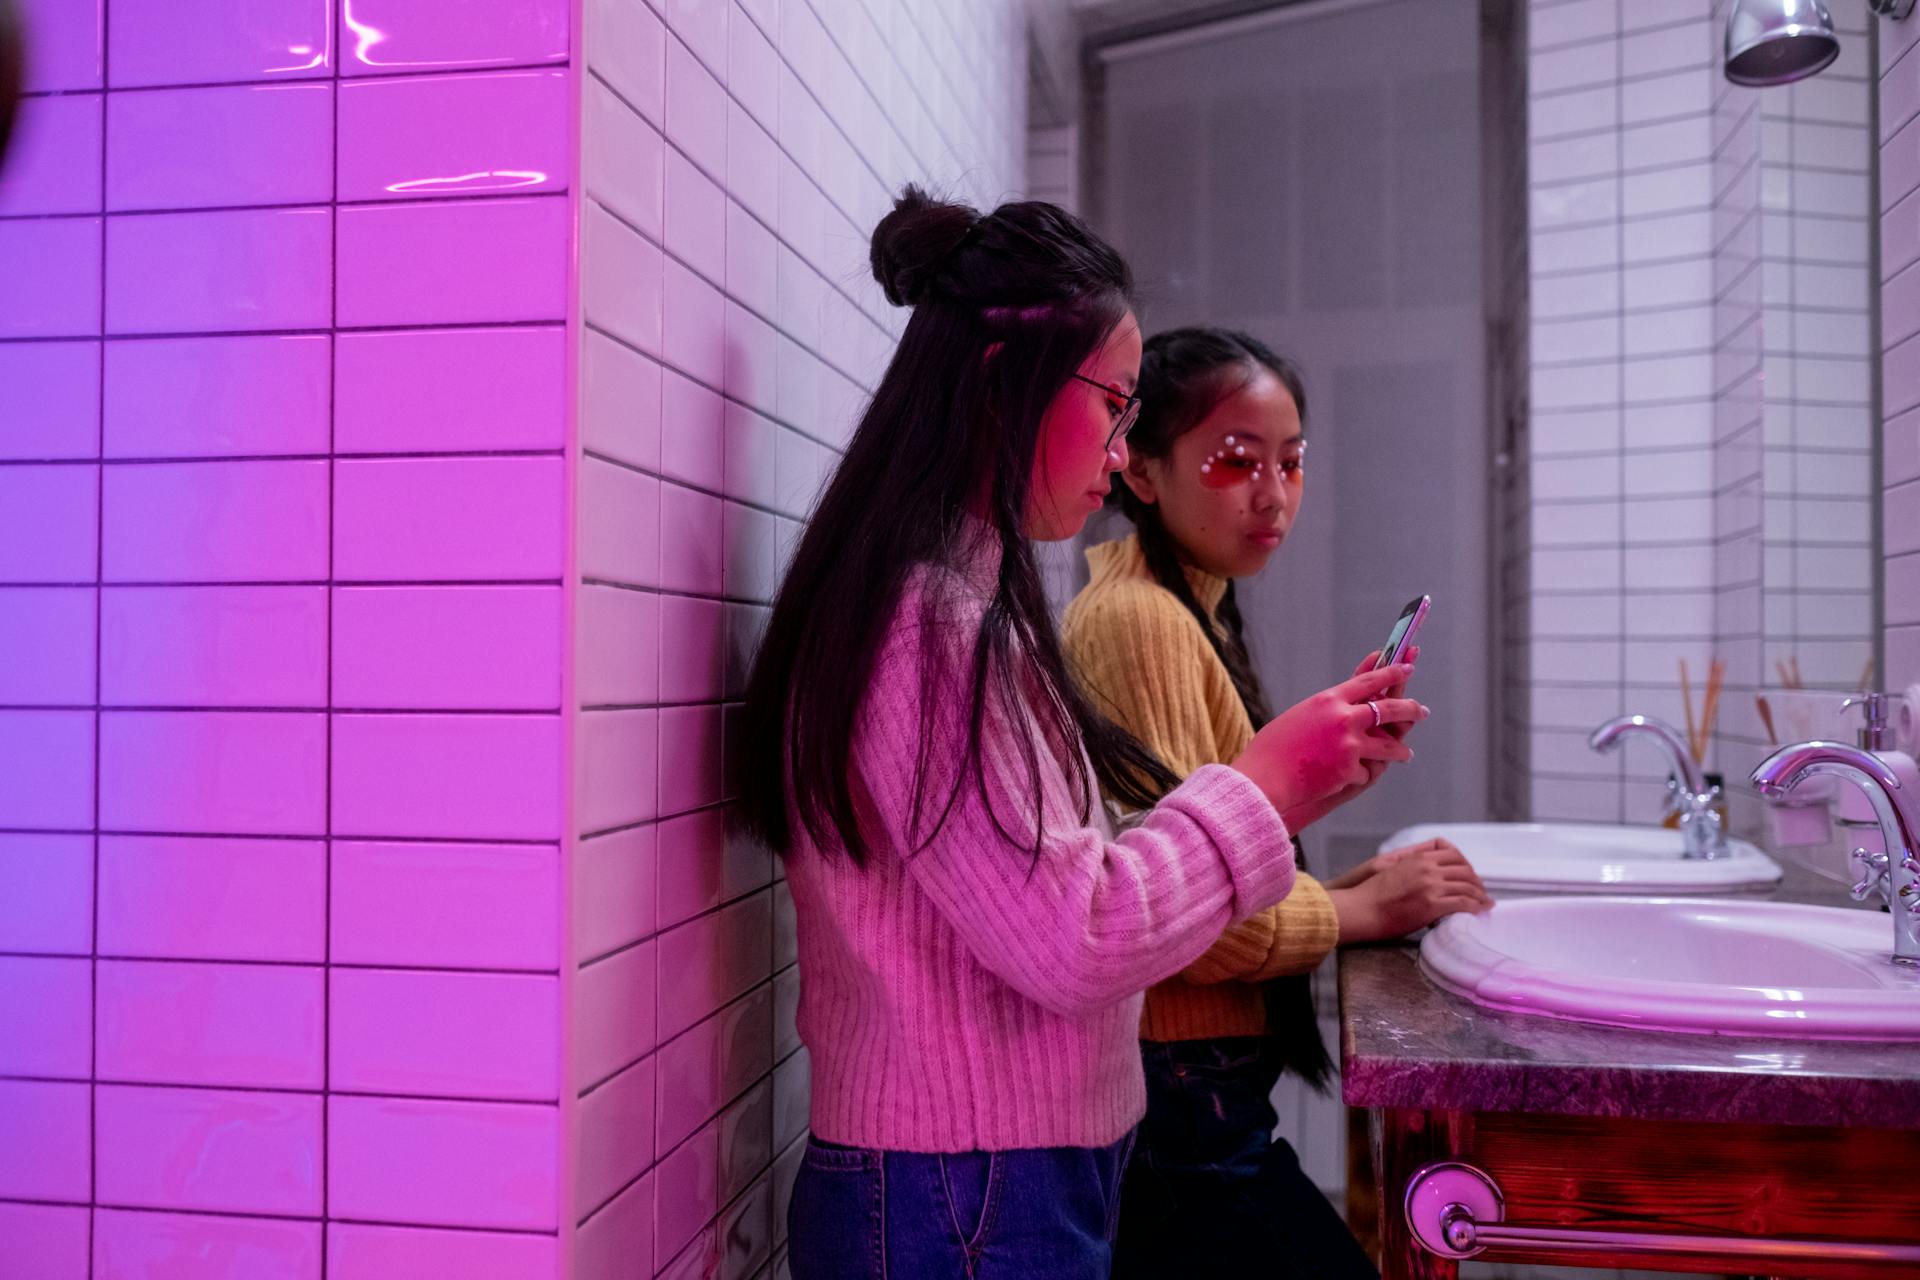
{"x":1315,"y":178}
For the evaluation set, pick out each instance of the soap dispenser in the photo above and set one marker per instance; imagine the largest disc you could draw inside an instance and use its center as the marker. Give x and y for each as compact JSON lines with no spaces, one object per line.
{"x":1852,"y":809}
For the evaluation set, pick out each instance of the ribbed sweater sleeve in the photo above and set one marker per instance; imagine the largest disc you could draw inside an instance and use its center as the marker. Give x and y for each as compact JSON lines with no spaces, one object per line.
{"x":1090,"y":919}
{"x":1293,"y":937}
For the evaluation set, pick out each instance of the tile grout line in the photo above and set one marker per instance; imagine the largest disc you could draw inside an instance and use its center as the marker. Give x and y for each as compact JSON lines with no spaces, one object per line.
{"x":314,"y":81}
{"x":407,"y":201}
{"x":99,"y":644}
{"x":336,"y":48}
{"x":244,"y":1215}
{"x":1617,"y":766}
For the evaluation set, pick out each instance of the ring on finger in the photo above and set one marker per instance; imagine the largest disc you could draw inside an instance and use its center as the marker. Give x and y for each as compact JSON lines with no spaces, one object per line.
{"x":1375,"y":708}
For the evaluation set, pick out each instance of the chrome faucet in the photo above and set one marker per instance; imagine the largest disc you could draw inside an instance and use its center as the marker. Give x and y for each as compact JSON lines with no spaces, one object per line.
{"x":1702,"y":835}
{"x":1896,"y":872}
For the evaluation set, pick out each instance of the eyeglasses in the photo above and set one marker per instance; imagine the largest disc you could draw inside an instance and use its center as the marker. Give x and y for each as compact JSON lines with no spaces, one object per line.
{"x":1129,"y":412}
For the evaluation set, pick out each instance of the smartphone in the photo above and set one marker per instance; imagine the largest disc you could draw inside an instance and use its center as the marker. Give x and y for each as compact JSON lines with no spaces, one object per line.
{"x":1405,"y":628}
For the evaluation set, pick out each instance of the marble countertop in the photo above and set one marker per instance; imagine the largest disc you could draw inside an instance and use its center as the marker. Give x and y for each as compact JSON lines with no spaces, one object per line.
{"x":1407,"y":1043}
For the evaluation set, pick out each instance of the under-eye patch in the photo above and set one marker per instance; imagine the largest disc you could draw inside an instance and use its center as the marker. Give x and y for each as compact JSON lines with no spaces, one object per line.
{"x":1233,"y":464}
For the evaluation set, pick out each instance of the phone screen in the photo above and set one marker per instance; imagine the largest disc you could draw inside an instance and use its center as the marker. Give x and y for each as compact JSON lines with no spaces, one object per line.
{"x":1401,"y":636}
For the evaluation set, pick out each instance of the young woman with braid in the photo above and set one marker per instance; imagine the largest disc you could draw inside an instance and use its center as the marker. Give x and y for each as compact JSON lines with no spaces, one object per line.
{"x":1213,"y":486}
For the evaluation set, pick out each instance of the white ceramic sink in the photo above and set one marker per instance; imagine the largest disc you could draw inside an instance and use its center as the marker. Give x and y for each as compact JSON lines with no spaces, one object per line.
{"x":1546,"y":857}
{"x":1727,"y":967}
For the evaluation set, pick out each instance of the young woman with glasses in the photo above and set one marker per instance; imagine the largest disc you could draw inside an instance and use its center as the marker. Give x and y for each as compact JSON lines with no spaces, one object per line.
{"x":974,"y":935}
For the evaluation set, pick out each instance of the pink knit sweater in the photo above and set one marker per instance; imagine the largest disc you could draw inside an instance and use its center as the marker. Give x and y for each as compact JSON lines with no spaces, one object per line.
{"x":964,"y":997}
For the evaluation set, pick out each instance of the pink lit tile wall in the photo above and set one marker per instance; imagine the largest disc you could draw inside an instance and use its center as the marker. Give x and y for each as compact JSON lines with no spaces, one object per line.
{"x":209,"y":1024}
{"x":228,"y":1151}
{"x":195,"y":898}
{"x":224,"y":271}
{"x":47,"y":768}
{"x":66,"y":44}
{"x":382,"y":37}
{"x":42,"y":176}
{"x":44,"y":1240}
{"x":216,"y":397}
{"x":437,"y":905}
{"x":53,"y":277}
{"x":49,"y":994}
{"x":455,"y":1035}
{"x":198,"y":41}
{"x":283,"y":623}
{"x":262,"y":144}
{"x":46,"y":1123}
{"x":134,"y":1246}
{"x":450,"y":390}
{"x":424,"y":262}
{"x":358,"y":1252}
{"x":54,"y":393}
{"x":49,"y":911}
{"x":485,"y":133}
{"x":438,"y":1163}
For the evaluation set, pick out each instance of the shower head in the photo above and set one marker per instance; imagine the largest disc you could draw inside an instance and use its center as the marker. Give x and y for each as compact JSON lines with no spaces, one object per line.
{"x":1773,"y":42}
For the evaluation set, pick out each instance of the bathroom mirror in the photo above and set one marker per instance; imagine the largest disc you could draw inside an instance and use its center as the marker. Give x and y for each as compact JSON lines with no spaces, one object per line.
{"x":1689,"y":475}
{"x":1591,"y":336}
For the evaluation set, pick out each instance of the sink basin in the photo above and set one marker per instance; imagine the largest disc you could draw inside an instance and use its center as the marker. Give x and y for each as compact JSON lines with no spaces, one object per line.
{"x":1728,"y":967}
{"x":1571,"y":857}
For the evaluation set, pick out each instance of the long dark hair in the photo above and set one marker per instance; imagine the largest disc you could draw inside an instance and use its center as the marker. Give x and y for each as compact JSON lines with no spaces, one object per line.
{"x":1006,"y":307}
{"x":1184,"y":375}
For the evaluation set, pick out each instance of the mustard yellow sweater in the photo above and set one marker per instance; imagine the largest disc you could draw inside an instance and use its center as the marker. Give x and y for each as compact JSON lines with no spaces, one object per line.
{"x":1144,"y":660}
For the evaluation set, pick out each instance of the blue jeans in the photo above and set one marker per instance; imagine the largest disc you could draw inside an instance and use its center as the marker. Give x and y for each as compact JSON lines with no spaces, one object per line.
{"x":1042,"y":1214}
{"x":1211,"y":1191}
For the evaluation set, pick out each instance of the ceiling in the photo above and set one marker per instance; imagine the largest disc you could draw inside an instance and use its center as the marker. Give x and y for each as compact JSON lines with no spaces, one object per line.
{"x":1102,"y":19}
{"x":1086,"y":24}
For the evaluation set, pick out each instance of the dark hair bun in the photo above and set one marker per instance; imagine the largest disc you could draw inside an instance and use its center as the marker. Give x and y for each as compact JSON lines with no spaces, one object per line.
{"x":914,"y":241}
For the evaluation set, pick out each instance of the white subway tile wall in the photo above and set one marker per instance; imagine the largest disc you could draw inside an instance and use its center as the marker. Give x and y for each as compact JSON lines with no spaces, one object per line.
{"x":1700,"y":386}
{"x":1619,"y":488}
{"x":735,"y":157}
{"x":1818,"y":567}
{"x":1743,"y":399}
{"x":1899,"y":87}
